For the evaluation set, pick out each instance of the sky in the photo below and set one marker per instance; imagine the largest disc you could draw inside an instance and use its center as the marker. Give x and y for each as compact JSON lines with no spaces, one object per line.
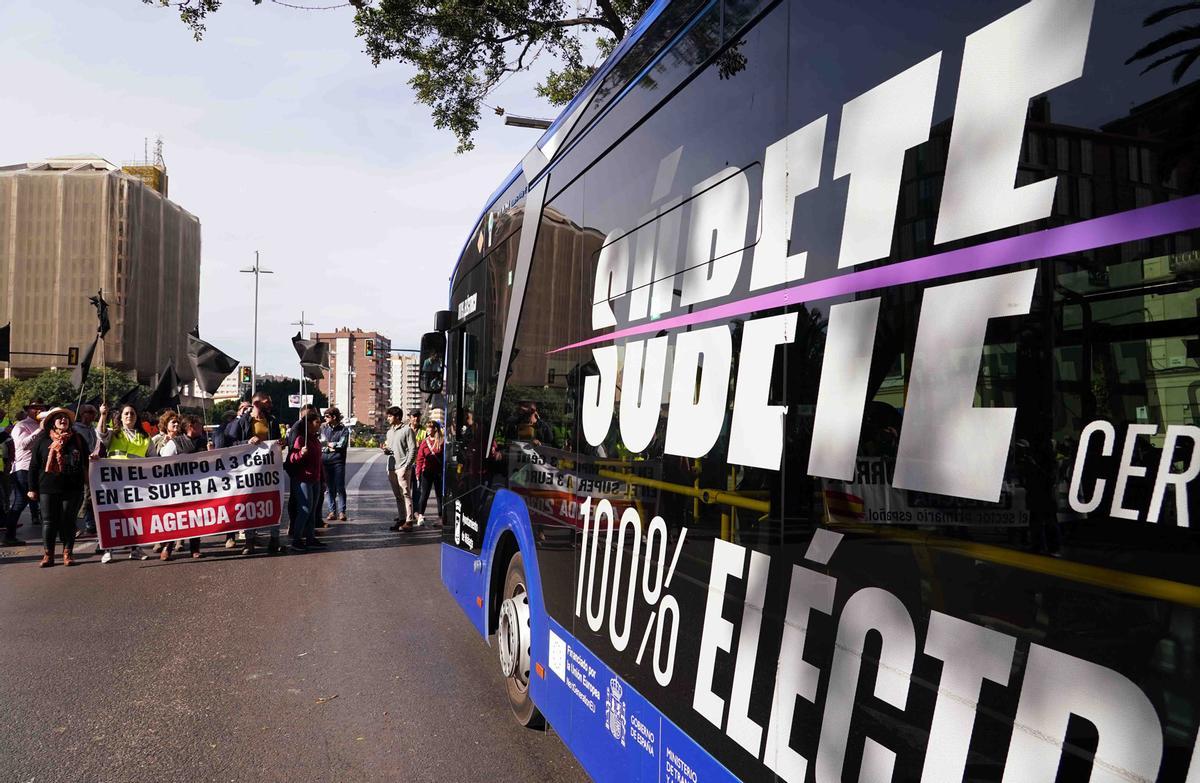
{"x":281,"y":137}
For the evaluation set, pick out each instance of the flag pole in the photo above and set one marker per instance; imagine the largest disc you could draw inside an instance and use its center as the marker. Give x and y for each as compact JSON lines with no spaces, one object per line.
{"x":82,"y":383}
{"x":103,"y":374}
{"x":302,"y":395}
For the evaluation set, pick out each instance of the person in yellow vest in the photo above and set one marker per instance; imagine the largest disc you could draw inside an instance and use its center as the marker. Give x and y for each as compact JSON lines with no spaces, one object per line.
{"x":126,"y":441}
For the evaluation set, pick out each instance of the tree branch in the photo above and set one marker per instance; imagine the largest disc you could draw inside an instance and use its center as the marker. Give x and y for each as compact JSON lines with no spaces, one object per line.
{"x":520,"y":65}
{"x":536,"y":28}
{"x":595,"y":21}
{"x":614,"y":19}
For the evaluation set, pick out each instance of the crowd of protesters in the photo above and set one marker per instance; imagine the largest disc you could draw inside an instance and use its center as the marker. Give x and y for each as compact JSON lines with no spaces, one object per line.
{"x":45,"y":452}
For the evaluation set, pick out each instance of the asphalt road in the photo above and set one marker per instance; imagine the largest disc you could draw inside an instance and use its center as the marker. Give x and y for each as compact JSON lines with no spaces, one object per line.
{"x":349,"y":664}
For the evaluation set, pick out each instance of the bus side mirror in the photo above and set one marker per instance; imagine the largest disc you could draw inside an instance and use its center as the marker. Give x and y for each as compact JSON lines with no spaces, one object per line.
{"x":433,"y":362}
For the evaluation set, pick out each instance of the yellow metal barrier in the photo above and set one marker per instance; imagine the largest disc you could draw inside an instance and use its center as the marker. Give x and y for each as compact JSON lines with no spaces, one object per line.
{"x":1083,"y":573}
{"x":714,"y":497}
{"x":1097,"y":576}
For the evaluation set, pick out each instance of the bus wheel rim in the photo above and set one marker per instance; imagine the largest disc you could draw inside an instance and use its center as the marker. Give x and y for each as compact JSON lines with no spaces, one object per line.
{"x":512,"y":634}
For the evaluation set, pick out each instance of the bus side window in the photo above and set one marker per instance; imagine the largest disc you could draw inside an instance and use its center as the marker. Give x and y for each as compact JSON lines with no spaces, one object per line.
{"x":468,"y":382}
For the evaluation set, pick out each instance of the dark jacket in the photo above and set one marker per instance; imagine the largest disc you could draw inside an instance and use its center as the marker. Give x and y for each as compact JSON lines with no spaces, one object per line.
{"x":75,"y":465}
{"x":220,"y":438}
{"x":337,"y":442}
{"x":305,"y":468}
{"x":296,"y":432}
{"x":241,"y":429}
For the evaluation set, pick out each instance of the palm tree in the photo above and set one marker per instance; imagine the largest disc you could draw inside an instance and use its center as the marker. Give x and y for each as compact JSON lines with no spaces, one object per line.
{"x":1188,"y":34}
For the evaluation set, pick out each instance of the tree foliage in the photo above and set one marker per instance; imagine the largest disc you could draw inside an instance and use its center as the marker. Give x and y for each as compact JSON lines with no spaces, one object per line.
{"x":463,"y":49}
{"x":1186,"y":37}
{"x":1179,"y":136}
{"x":278,"y":391}
{"x":54,"y":387}
{"x":219,"y":409}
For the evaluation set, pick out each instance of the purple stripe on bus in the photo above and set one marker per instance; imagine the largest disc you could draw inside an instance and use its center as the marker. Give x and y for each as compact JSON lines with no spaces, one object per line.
{"x":1166,"y":218}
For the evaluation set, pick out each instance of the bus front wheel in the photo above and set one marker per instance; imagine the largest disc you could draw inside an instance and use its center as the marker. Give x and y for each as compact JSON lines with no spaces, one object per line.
{"x":512,"y":642}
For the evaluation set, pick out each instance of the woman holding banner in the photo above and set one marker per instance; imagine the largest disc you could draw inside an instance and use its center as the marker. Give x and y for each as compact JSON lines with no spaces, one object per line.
{"x":127,"y":441}
{"x":305,"y":469}
{"x":171,"y":427}
{"x":56,"y":478}
{"x":171,"y":440}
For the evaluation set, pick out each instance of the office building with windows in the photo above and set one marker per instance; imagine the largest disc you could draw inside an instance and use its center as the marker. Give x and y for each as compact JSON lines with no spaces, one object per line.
{"x":359,"y":381}
{"x":74,"y":225}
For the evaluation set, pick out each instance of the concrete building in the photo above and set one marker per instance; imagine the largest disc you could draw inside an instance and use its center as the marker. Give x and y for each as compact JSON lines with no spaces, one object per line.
{"x":359,"y":383}
{"x":73,"y":225}
{"x":232,"y":387}
{"x":406,"y":391}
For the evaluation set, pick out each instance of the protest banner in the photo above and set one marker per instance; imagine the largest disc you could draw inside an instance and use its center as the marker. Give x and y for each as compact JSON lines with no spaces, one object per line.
{"x":148,"y":501}
{"x":555,"y":482}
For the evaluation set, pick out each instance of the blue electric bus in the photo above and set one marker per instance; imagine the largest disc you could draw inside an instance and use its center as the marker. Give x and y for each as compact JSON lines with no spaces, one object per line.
{"x":823,"y":398}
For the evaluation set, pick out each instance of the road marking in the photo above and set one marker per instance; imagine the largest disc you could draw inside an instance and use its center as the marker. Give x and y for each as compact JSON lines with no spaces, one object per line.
{"x":357,"y":480}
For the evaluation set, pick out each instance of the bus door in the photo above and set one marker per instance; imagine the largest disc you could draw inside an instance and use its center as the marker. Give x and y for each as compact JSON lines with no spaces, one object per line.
{"x":466,"y":458}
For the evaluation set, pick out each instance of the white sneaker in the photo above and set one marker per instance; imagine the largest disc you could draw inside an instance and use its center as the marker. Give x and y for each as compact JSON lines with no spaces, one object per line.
{"x":136,"y":553}
{"x":230,"y":543}
{"x":106,"y":557}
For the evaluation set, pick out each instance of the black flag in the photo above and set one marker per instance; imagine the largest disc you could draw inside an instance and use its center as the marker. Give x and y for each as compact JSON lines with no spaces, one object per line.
{"x":211,"y":365}
{"x":301,"y":345}
{"x":130,"y":398}
{"x":80,"y":373}
{"x":101,"y":313}
{"x":166,"y":393}
{"x":314,"y":357}
{"x":5,"y":341}
{"x":311,"y":351}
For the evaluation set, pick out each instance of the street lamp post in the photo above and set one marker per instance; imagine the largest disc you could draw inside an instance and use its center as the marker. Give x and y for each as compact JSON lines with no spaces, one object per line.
{"x":255,"y":270}
{"x":517,"y":121}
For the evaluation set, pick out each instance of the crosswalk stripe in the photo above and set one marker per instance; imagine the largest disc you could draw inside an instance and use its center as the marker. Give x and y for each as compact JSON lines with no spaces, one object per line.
{"x":357,"y":480}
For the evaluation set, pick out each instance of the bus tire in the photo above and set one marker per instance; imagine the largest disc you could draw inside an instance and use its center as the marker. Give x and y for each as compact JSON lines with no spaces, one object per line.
{"x":512,"y":642}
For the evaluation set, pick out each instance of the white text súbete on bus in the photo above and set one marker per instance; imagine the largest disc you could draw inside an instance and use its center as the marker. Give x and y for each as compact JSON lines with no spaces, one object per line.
{"x":947,"y":446}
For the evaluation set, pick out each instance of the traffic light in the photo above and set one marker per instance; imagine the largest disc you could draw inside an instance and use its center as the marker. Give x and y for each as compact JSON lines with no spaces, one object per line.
{"x":369,"y":345}
{"x":246,"y":376}
{"x":72,"y":356}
